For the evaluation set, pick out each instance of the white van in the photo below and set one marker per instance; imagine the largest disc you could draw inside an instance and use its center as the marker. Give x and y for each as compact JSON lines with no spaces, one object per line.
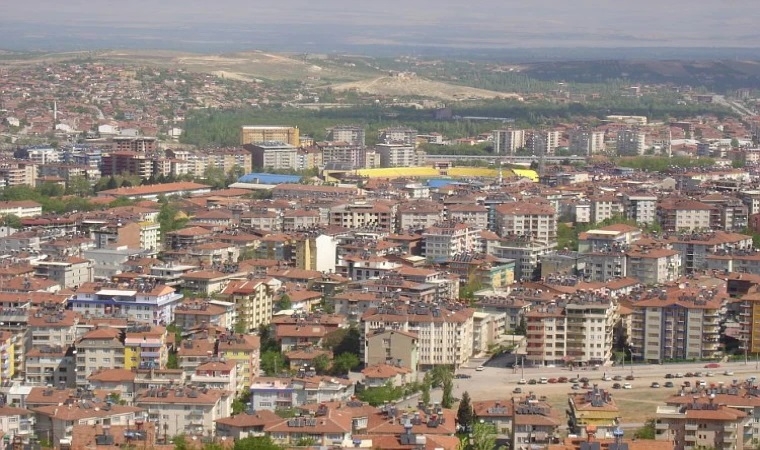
{"x":543,"y":380}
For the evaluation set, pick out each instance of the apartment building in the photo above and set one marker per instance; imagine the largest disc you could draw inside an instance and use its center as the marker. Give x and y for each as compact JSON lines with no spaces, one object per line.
{"x":683,"y":215}
{"x":543,"y":142}
{"x":586,"y":142}
{"x":398,"y":155}
{"x":473,"y":214}
{"x":192,"y":313}
{"x":676,"y":324}
{"x":363,"y":214}
{"x":538,"y":221}
{"x":273,"y":155}
{"x":143,"y":144}
{"x":16,"y":422}
{"x":258,"y":134}
{"x":641,"y":208}
{"x":142,"y":301}
{"x":49,"y":355}
{"x":349,"y":134}
{"x":594,"y":409}
{"x":274,"y":393}
{"x":728,"y":213}
{"x":70,"y":272}
{"x":145,"y":347}
{"x":98,"y":349}
{"x":605,"y":207}
{"x":447,"y":239}
{"x":525,"y":251}
{"x":18,"y":174}
{"x":216,"y":373}
{"x":127,"y":163}
{"x":20,"y":208}
{"x":695,"y":248}
{"x":590,"y":321}
{"x":395,"y":347}
{"x":611,"y":237}
{"x":418,"y":215}
{"x":253,"y":299}
{"x":341,"y":154}
{"x":653,"y":265}
{"x":534,"y":422}
{"x":507,"y":142}
{"x":703,"y":424}
{"x":445,"y":331}
{"x":631,"y":142}
{"x":398,"y":135}
{"x":185,"y":410}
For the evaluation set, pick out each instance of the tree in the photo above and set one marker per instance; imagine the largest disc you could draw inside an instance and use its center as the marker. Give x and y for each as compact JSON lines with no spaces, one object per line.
{"x":522,"y":327}
{"x":483,"y":436}
{"x":79,"y":186}
{"x":112,"y":183}
{"x":51,"y":190}
{"x":343,"y":363}
{"x":465,"y":413}
{"x":321,"y":364}
{"x":447,"y":398}
{"x":172,"y":362}
{"x":239,"y":404}
{"x":256,"y":443}
{"x":215,"y":177}
{"x":267,"y":342}
{"x":425,"y":390}
{"x":351,"y":342}
{"x":376,"y":396}
{"x":647,"y":431}
{"x":121,"y":201}
{"x":272,"y":363}
{"x":12,"y":220}
{"x":734,"y":143}
{"x":168,"y":218}
{"x":284,"y":303}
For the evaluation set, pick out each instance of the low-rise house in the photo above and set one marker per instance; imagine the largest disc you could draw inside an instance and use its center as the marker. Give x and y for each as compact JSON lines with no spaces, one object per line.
{"x":383,"y":374}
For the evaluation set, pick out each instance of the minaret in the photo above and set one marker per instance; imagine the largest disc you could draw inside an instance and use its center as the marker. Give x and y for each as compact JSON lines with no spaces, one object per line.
{"x":55,"y":114}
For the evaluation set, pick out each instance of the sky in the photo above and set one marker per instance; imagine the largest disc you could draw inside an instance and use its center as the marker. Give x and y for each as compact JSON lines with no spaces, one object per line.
{"x":333,"y":24}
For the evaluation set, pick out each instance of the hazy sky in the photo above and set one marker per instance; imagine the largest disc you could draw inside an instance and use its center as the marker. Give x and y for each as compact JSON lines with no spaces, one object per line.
{"x":524,"y":23}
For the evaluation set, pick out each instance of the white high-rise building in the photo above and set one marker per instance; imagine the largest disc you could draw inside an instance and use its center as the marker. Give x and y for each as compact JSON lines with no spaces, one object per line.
{"x":586,"y":142}
{"x":506,"y":142}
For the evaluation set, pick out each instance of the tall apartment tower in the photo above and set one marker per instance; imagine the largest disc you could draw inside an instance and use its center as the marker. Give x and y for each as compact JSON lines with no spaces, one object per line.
{"x":506,"y":142}
{"x":350,"y":134}
{"x":404,"y":136}
{"x":630,"y":142}
{"x":543,"y":142}
{"x":258,"y":134}
{"x":586,"y":142}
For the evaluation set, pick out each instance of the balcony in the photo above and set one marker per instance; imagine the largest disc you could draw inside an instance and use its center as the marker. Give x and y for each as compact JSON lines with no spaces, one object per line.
{"x":691,"y":427}
{"x":661,"y":426}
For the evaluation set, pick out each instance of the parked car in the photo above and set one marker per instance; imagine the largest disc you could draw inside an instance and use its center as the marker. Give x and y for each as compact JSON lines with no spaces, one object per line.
{"x":669,"y":376}
{"x":553,"y":380}
{"x":698,"y":374}
{"x":532,"y":381}
{"x":712,"y":366}
{"x":562,"y":380}
{"x":584,"y":380}
{"x":627,"y":386}
{"x":668,"y":384}
{"x":480,"y":369}
{"x":522,"y":381}
{"x":728,"y":373}
{"x":679,"y":375}
{"x":618,"y":378}
{"x":462,"y":376}
{"x":575,"y":386}
{"x":517,"y":390}
{"x":709,"y":374}
{"x":689,"y":374}
{"x":616,"y":386}
{"x":655,"y":385}
{"x":629,"y":378}
{"x":543,"y":380}
{"x":574,"y":380}
{"x":606,"y":378}
{"x":687,"y":384}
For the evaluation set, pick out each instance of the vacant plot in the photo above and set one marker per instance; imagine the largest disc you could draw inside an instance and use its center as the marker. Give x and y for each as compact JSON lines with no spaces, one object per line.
{"x":401,"y":86}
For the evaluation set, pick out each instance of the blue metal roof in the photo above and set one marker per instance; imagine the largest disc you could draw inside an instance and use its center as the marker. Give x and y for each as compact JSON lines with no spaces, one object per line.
{"x":269,"y":178}
{"x":438,"y":182}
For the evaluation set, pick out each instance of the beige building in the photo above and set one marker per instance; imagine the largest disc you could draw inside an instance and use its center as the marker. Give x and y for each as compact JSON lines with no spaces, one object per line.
{"x":98,"y":349}
{"x":253,"y":301}
{"x":586,"y":142}
{"x":418,"y":215}
{"x":506,"y":142}
{"x":537,"y":221}
{"x":590,"y":322}
{"x":398,"y":155}
{"x":190,"y":411}
{"x":703,"y":424}
{"x":684,"y":215}
{"x":363,"y":214}
{"x":473,"y":214}
{"x":653,"y":266}
{"x":676,"y":324}
{"x":49,"y":358}
{"x":192,"y":313}
{"x":392,"y":347}
{"x":444,"y":331}
{"x":448,"y":239}
{"x":256,"y":134}
{"x":70,"y":272}
{"x":274,"y":155}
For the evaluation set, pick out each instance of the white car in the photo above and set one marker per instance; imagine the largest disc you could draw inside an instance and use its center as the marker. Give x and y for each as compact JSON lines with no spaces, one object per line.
{"x":606,"y":378}
{"x":480,"y":369}
{"x":543,"y":380}
{"x":627,"y":386}
{"x":728,"y":373}
{"x":522,"y":381}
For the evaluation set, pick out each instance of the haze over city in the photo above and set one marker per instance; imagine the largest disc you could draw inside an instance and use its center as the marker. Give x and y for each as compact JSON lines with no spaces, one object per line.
{"x":331,"y":25}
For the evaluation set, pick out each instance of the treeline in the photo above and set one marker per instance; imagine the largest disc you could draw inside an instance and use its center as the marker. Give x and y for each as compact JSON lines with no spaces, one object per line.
{"x":208,"y":128}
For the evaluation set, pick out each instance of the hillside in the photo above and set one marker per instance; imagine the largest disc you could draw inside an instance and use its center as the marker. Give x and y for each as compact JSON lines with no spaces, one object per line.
{"x":411,"y":86}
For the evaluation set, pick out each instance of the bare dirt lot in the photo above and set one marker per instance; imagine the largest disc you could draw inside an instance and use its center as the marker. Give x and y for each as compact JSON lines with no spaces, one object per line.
{"x":419,"y":87}
{"x":636,"y":405}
